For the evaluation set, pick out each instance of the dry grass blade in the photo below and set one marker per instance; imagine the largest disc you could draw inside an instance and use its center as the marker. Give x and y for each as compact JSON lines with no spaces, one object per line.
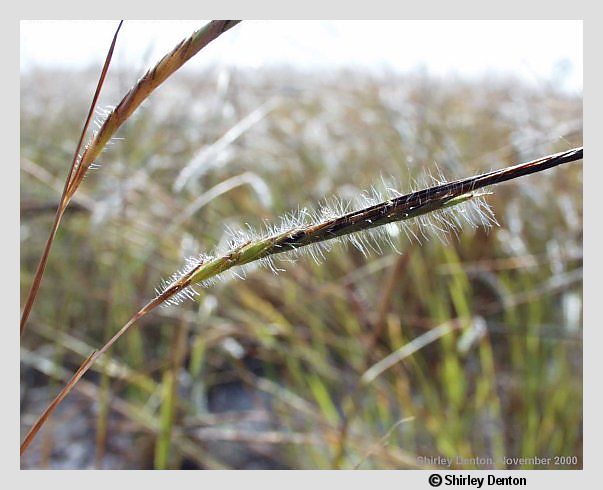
{"x":44,"y":417}
{"x":383,"y":441}
{"x":152,"y":79}
{"x":64,"y":198}
{"x":169,"y":64}
{"x":85,"y":366}
{"x":408,"y":349}
{"x":398,"y":209}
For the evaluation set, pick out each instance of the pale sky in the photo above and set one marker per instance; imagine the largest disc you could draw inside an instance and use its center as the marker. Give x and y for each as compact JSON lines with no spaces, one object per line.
{"x":532,"y":50}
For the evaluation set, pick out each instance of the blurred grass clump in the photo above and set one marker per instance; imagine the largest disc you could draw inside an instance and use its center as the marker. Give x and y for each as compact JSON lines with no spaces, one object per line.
{"x":268,"y":372}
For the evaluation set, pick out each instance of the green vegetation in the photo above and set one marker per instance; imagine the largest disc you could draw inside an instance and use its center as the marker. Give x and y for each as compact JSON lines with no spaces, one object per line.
{"x":287,"y":354}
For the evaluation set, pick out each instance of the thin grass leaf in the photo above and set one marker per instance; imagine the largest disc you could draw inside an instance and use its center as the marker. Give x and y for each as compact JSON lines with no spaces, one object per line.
{"x":44,"y":417}
{"x":64,"y":201}
{"x":152,"y":79}
{"x":169,"y":64}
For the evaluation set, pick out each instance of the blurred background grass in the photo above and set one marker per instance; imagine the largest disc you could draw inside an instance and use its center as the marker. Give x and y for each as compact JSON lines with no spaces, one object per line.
{"x":266,"y":372}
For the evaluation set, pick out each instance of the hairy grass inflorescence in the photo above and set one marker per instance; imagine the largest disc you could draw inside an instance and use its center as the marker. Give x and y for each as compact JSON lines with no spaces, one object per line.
{"x":283,"y":239}
{"x":449,"y":204}
{"x":462,"y":347}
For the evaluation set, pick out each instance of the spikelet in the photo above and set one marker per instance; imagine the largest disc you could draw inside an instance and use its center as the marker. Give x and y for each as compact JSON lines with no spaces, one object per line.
{"x":276,"y":241}
{"x":439,"y":209}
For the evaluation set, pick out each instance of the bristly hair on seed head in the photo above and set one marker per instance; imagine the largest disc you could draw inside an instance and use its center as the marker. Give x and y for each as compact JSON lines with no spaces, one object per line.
{"x":368,"y":237}
{"x":439,"y":209}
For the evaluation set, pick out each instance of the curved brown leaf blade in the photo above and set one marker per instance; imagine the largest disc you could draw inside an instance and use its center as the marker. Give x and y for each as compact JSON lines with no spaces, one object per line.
{"x":169,"y":64}
{"x":35,"y":286}
{"x":85,"y":366}
{"x":44,"y":417}
{"x":152,"y":79}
